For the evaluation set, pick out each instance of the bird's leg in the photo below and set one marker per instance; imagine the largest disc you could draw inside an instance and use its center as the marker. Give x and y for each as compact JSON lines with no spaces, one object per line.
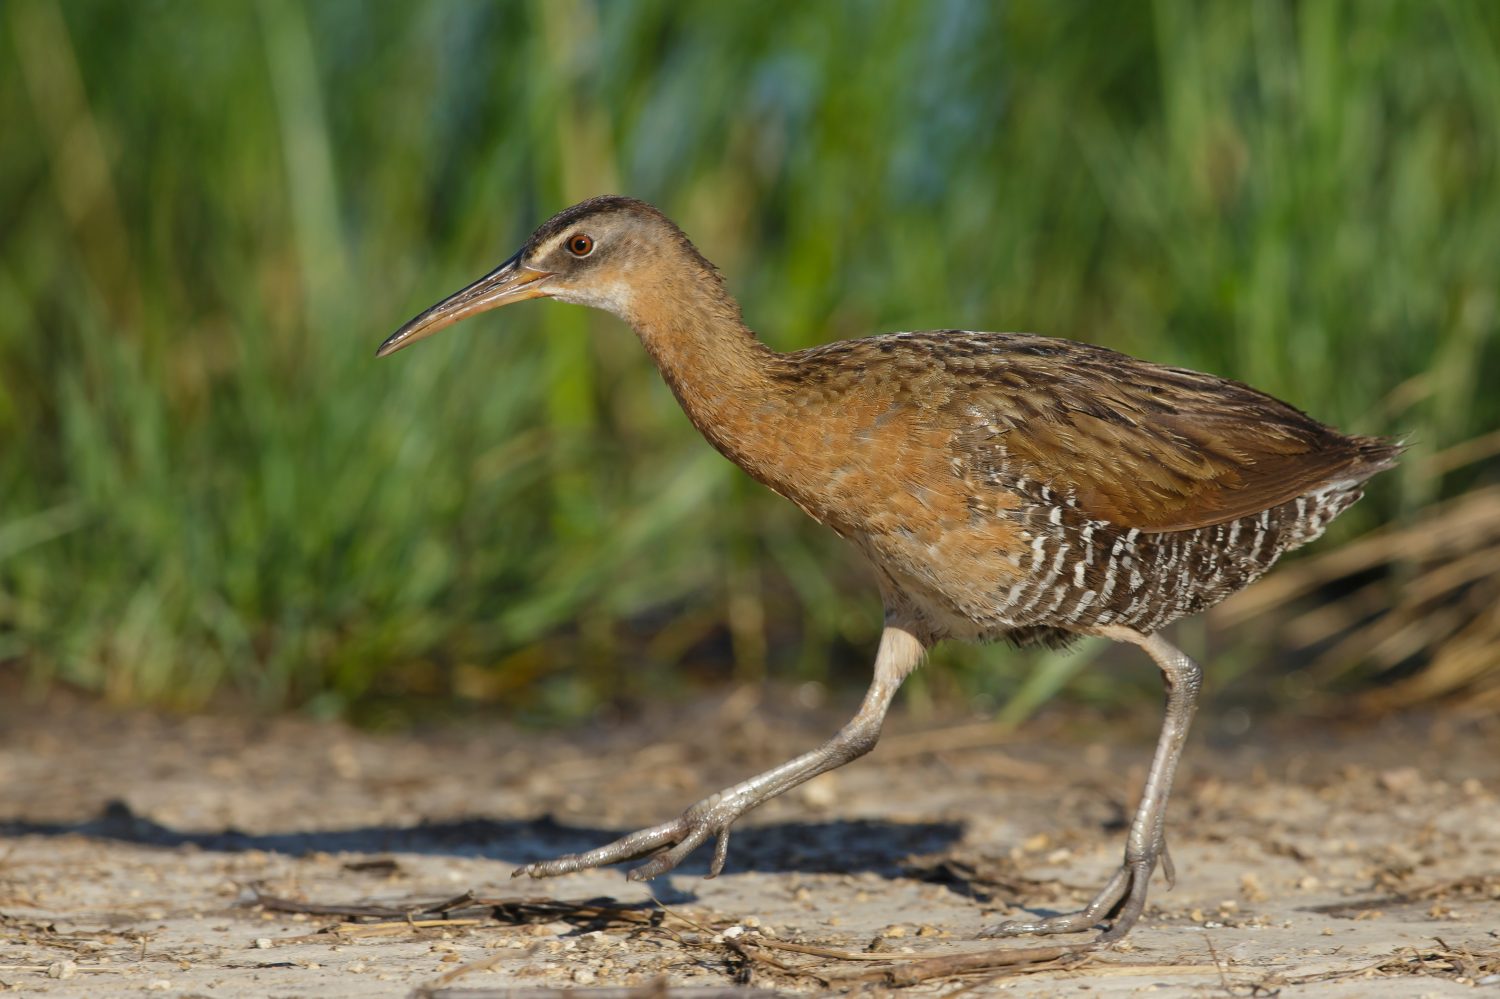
{"x":1124,"y":897}
{"x":671,"y":842}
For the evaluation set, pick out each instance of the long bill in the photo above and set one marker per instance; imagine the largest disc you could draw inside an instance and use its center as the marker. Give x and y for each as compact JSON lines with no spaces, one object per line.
{"x":511,"y":282}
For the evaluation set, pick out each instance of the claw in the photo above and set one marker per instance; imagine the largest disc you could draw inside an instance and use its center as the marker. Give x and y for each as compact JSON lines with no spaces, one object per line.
{"x":721,"y":853}
{"x":645,"y":872}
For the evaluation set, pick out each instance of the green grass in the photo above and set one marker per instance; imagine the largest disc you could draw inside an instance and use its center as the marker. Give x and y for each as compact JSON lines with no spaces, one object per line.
{"x":212,"y":213}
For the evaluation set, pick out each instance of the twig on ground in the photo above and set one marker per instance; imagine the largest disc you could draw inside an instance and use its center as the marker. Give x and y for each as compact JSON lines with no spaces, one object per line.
{"x":1015,"y":961}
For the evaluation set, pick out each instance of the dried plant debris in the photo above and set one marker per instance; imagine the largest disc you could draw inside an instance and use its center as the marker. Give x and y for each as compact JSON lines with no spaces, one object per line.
{"x":988,"y":879}
{"x":1460,"y":965}
{"x":655,"y":990}
{"x":747,"y":954}
{"x":468,"y":909}
{"x":45,"y":933}
{"x":375,"y":865}
{"x":1476,"y":887}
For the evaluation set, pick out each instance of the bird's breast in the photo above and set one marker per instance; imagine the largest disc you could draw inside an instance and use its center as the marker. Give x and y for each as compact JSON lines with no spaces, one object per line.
{"x":889,"y":478}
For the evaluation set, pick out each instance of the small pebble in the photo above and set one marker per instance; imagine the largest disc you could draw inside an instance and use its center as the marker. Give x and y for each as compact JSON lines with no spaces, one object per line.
{"x":1401,"y":780}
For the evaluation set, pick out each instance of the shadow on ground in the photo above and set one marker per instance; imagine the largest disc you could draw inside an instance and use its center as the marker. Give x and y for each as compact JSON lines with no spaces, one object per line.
{"x":834,"y":847}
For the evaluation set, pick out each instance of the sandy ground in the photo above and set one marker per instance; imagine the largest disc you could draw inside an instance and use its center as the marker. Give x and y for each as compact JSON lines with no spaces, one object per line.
{"x":148,"y":854}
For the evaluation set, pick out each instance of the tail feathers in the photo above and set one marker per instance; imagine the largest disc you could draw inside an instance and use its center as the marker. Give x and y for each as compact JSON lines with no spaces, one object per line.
{"x":1376,"y":455}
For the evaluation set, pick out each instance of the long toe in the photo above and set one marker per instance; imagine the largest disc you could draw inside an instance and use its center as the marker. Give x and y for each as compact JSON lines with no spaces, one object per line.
{"x":1114,"y":895}
{"x":667,"y":844}
{"x":669,"y":859}
{"x":637,"y":844}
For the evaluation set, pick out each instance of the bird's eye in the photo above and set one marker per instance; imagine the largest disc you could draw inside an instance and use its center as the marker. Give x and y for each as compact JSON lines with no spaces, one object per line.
{"x":580,"y":245}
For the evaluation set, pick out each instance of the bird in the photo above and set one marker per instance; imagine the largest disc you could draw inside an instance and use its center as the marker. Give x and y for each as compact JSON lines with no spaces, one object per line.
{"x":1003,"y":486}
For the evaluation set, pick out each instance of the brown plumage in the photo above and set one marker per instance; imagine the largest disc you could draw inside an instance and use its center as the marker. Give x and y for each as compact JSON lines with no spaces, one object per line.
{"x":1003,"y":485}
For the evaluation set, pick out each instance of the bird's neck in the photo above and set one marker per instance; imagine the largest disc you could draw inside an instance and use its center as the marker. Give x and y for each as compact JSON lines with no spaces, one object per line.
{"x":722,"y":375}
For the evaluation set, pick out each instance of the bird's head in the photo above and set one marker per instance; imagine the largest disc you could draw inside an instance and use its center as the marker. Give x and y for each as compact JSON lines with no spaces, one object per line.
{"x":596,"y":253}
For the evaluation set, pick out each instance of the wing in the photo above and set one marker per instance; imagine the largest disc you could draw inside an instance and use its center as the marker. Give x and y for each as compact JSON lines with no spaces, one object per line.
{"x":1138,"y":444}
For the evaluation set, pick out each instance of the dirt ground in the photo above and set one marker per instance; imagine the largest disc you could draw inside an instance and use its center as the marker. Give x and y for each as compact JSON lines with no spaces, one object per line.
{"x":229,"y":857}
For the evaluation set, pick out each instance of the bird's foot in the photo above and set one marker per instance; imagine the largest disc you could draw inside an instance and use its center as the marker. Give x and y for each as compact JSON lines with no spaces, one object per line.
{"x":1121,"y":902}
{"x":670,"y":843}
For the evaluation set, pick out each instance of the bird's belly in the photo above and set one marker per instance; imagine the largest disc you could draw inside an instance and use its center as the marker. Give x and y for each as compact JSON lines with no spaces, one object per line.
{"x":950,"y":578}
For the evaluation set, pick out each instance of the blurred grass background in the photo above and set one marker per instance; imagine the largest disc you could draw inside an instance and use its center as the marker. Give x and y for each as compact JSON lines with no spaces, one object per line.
{"x":213,"y":213}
